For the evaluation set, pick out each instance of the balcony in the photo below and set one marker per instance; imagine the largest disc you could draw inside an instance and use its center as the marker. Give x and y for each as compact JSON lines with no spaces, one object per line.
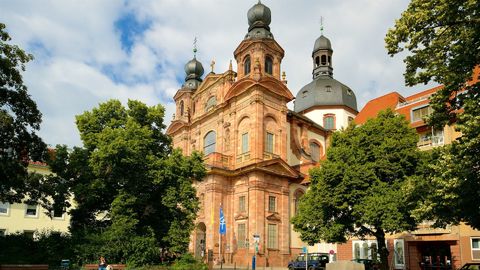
{"x":430,"y":141}
{"x":218,"y":160}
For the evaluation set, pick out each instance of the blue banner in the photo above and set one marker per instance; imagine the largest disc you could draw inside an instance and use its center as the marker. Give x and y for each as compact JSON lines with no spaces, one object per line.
{"x":223,"y":225}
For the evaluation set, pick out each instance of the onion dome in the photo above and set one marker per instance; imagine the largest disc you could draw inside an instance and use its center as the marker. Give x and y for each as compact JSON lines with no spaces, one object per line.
{"x":322,"y":43}
{"x":324,"y":90}
{"x":194,"y":71}
{"x":259,"y":19}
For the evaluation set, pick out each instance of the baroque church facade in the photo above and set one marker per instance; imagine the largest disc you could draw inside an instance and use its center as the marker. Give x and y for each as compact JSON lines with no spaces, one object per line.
{"x":257,"y":151}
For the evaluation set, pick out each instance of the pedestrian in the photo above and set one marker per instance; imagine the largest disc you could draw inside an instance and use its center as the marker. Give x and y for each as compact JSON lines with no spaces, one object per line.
{"x":102,"y":265}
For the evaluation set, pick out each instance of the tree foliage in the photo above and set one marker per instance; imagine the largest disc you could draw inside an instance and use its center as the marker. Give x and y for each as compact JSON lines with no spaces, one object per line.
{"x":19,"y":121}
{"x":132,"y":191}
{"x":359,"y":190}
{"x":443,"y":38}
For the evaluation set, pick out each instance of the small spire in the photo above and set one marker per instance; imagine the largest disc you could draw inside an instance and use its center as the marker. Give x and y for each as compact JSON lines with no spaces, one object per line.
{"x":284,"y":76}
{"x":230,"y":65}
{"x":195,"y":47}
{"x":321,"y":25}
{"x":259,"y":1}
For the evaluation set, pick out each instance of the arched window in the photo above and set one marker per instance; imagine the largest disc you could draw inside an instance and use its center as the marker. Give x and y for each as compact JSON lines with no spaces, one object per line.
{"x":246,"y":65}
{"x":268,"y":65}
{"x":296,"y":197}
{"x":315,"y":151}
{"x":181,"y":108}
{"x":209,"y":143}
{"x":317,"y":61}
{"x":324,"y":60}
{"x":329,"y":121}
{"x":329,"y":60}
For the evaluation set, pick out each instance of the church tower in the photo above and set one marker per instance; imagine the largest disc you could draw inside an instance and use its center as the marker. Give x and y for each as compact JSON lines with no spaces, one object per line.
{"x":326,"y":101}
{"x":259,"y":54}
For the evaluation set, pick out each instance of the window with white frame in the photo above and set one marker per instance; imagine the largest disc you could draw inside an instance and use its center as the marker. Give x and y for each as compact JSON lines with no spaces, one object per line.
{"x":399,"y":253}
{"x":420,"y":113}
{"x":4,"y":208}
{"x":31,"y":210}
{"x":366,"y":249}
{"x":272,"y":236}
{"x":57,"y":212}
{"x":29,"y":234}
{"x":475,"y":248}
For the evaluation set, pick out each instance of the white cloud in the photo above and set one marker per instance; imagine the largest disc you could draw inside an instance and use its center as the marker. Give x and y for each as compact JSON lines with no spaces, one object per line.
{"x":80,"y":61}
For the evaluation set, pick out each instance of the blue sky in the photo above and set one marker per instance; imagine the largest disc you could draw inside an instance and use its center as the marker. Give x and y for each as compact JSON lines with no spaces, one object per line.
{"x":87,"y":52}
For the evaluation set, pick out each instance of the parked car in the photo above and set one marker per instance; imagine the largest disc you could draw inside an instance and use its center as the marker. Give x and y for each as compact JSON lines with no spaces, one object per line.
{"x":471,"y":266}
{"x":316,"y":261}
{"x":369,"y":264}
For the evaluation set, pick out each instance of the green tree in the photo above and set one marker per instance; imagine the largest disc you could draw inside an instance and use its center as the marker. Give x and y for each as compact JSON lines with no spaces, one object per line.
{"x":19,"y":121}
{"x":359,"y":190}
{"x":443,"y":41}
{"x":132,"y":190}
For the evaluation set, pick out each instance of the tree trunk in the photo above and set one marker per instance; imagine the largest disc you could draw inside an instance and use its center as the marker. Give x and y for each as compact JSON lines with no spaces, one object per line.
{"x":382,"y":249}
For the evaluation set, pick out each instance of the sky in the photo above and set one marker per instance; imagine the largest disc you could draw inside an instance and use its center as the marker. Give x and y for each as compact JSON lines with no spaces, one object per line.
{"x":87,"y":52}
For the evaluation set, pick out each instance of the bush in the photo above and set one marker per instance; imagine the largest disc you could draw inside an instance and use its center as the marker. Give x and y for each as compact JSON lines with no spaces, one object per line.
{"x":188,"y":262}
{"x":50,"y":248}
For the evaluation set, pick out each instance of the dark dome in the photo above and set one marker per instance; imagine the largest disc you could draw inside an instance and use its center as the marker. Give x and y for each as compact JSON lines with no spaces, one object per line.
{"x":322,"y":43}
{"x":259,"y":16}
{"x":325,"y":91}
{"x":193,"y":69}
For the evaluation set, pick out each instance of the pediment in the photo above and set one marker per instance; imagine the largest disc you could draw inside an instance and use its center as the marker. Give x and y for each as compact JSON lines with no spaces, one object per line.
{"x":208,"y":82}
{"x":269,"y":43}
{"x":175,"y":126}
{"x":274,"y":217}
{"x":267,"y":83}
{"x":278,"y":167}
{"x":241,"y":216}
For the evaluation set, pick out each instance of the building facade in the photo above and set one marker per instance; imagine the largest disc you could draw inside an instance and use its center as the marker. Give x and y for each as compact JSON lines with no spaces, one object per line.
{"x":426,"y":247}
{"x":257,"y":151}
{"x":31,"y":219}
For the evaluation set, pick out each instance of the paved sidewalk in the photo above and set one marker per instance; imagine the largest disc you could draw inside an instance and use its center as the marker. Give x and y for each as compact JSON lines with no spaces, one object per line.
{"x":231,"y":267}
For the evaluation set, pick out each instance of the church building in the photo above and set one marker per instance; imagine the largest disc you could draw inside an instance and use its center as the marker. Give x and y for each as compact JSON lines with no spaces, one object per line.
{"x":257,"y":151}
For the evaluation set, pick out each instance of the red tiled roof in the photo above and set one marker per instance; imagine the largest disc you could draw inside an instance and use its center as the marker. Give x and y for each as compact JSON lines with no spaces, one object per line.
{"x":374,"y":106}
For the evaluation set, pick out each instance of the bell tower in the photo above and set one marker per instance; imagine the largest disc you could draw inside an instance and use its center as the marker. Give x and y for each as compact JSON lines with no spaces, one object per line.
{"x":259,"y":54}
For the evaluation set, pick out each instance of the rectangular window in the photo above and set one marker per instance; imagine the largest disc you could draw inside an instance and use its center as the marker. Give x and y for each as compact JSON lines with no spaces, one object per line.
{"x":29,"y":234}
{"x":269,"y":143}
{"x":420,"y":113}
{"x":272,"y":201}
{"x":272,"y":236}
{"x":31,"y":210}
{"x":241,"y":204}
{"x":329,"y":122}
{"x":245,"y":143}
{"x":475,"y":248}
{"x":4,"y":208}
{"x":58,"y":213}
{"x":242,"y":235}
